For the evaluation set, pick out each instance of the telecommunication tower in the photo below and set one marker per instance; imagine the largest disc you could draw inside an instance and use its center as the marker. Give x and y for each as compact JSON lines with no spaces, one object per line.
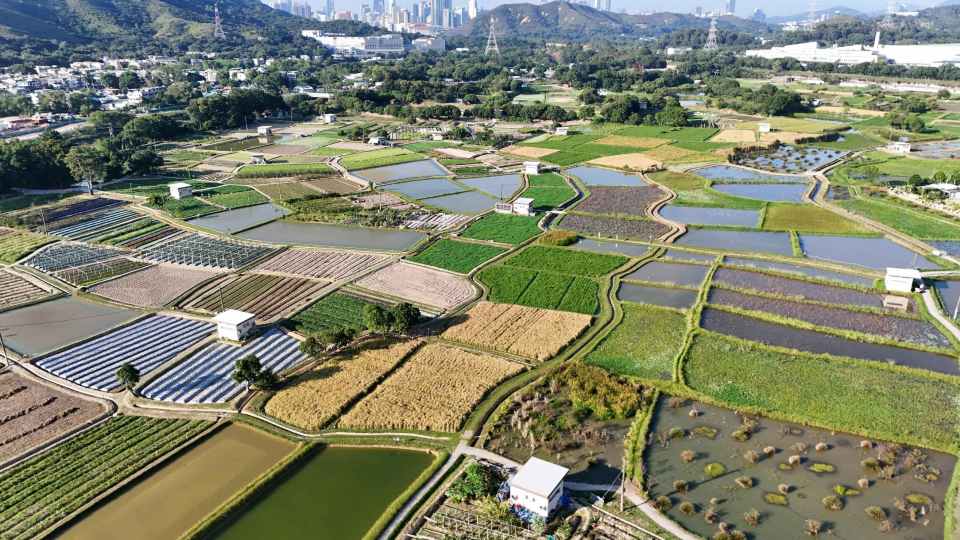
{"x":712,"y":41}
{"x":217,"y":22}
{"x":492,"y":46}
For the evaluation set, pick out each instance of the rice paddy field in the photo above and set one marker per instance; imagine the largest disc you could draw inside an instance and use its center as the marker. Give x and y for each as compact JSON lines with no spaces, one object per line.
{"x":459,"y":257}
{"x":379,"y":158}
{"x":282,"y":170}
{"x":645,"y":343}
{"x":267,"y":296}
{"x":43,"y":327}
{"x":503,"y":228}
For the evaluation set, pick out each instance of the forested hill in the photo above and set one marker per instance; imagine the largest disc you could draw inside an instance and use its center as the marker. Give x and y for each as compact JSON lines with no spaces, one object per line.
{"x":934,"y":25}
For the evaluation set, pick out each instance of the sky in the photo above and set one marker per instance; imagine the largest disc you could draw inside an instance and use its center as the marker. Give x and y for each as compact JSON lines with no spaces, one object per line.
{"x":744,"y":7}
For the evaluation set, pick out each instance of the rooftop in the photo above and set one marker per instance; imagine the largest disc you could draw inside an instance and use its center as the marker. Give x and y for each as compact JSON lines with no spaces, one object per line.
{"x":233,"y":316}
{"x":539,"y":477}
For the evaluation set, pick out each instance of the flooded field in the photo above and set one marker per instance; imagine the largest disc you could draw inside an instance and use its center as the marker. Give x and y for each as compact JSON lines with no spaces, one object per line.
{"x":937,"y":150}
{"x":761,"y":242}
{"x":658,"y":296}
{"x":795,"y":288}
{"x":768,"y":497}
{"x":875,"y":253}
{"x":949,"y":292}
{"x":694,"y":215}
{"x":689,"y":256}
{"x":392,"y":173}
{"x":738,"y":174}
{"x":319,"y":234}
{"x":338,"y":493}
{"x":596,"y":176}
{"x":497,"y":186}
{"x":40,"y":328}
{"x":794,"y":159}
{"x":684,"y":275}
{"x":469,"y":202}
{"x":168,"y":502}
{"x":241,"y":218}
{"x":603,"y":246}
{"x":764,"y":192}
{"x":950,"y":247}
{"x":800,"y":269}
{"x":421,"y":189}
{"x":807,"y":340}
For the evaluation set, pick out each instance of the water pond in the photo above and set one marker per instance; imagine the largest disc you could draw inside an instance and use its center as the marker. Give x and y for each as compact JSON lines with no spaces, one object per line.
{"x":794,"y":159}
{"x":689,"y":256}
{"x":166,"y":503}
{"x":876,"y":253}
{"x":240,"y":219}
{"x":596,"y":176}
{"x":470,"y":202}
{"x":739,"y":174}
{"x":422,"y":189}
{"x":392,"y":173}
{"x":603,"y":246}
{"x":814,"y":342}
{"x":802,"y":270}
{"x":497,"y":186}
{"x":320,"y":234}
{"x":43,"y":327}
{"x":756,"y":241}
{"x":694,"y":215}
{"x":950,"y":247}
{"x":764,"y":192}
{"x":684,"y":275}
{"x":949,"y":292}
{"x":937,"y":150}
{"x":658,"y":296}
{"x":709,"y":435}
{"x":338,"y":493}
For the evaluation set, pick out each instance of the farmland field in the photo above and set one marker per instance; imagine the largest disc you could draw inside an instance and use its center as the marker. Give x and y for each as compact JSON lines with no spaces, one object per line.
{"x":631,"y":229}
{"x":312,"y":400}
{"x":15,"y":244}
{"x":794,"y":289}
{"x":333,"y":311}
{"x":819,"y":390}
{"x":205,"y":377}
{"x":96,"y":224}
{"x":206,"y":252}
{"x":79,"y":207}
{"x":65,"y":255}
{"x":280,"y":170}
{"x":15,"y":290}
{"x":45,"y":326}
{"x":644,"y":344}
{"x":266,"y":296}
{"x":45,"y":489}
{"x":186,"y":208}
{"x":231,"y":197}
{"x":509,"y":285}
{"x":131,"y":230}
{"x":566,"y":261}
{"x":533,"y":333}
{"x":503,"y":228}
{"x":460,"y":257}
{"x":34,"y":413}
{"x":631,"y":201}
{"x":808,"y":218}
{"x":287,"y":191}
{"x":145,"y":237}
{"x":434,"y":390}
{"x":907,"y":220}
{"x":146,"y":344}
{"x":379,"y":158}
{"x":692,"y":190}
{"x":20,"y":202}
{"x":420,"y":285}
{"x":152,"y":287}
{"x":326,"y":265}
{"x":234,"y":145}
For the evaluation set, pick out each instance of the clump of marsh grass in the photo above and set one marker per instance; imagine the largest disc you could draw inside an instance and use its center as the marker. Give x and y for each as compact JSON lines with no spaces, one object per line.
{"x":744,"y":482}
{"x":688,"y":456}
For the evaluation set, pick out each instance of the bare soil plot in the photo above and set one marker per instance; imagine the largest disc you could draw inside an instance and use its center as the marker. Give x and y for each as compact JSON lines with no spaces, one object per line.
{"x":735,"y":136}
{"x":40,"y":328}
{"x":529,"y":151}
{"x":632,"y":142}
{"x":33,"y":414}
{"x":314,"y":399}
{"x":534,"y":333}
{"x":99,"y":271}
{"x":153,"y":287}
{"x":382,"y":199}
{"x":891,"y":326}
{"x":795,"y":289}
{"x":636,"y":229}
{"x":783,"y":136}
{"x":420,"y":285}
{"x":327,"y":265}
{"x":634,"y":162}
{"x":434,"y":390}
{"x":340,"y":186}
{"x":632,"y":201}
{"x":16,"y":290}
{"x":266,"y":296}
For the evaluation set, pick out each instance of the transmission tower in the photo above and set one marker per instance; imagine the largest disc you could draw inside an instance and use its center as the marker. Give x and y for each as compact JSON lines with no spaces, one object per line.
{"x":492,"y":46}
{"x":712,"y":41}
{"x":218,"y":23}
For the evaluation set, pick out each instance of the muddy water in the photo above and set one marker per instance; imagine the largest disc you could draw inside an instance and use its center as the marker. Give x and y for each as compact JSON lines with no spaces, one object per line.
{"x":42,"y":327}
{"x":729,"y":173}
{"x":165,"y":504}
{"x":658,"y":296}
{"x":764,"y":192}
{"x":241,"y":218}
{"x":497,"y":186}
{"x":320,"y":234}
{"x":431,"y":187}
{"x":470,"y":202}
{"x":807,"y":488}
{"x":687,"y":275}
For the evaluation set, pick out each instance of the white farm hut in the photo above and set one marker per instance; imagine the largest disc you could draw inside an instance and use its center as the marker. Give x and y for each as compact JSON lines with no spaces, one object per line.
{"x":235,"y":325}
{"x":903,"y":280}
{"x":538,"y":486}
{"x":180,"y":190}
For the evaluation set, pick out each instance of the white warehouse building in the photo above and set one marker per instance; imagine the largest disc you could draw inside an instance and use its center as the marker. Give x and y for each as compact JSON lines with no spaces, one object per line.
{"x":932,"y":55}
{"x":358,"y":45}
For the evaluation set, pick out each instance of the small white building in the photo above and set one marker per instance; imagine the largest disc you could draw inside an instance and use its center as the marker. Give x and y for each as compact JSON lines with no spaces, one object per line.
{"x":531,"y":167}
{"x":562,"y":131}
{"x":903,"y":280}
{"x":523,"y":206}
{"x":537,"y":486}
{"x":329,"y":118}
{"x":899,"y":147}
{"x":180,"y":190}
{"x":952,"y":191}
{"x":376,"y":141}
{"x":265,"y":131}
{"x":235,"y":325}
{"x":764,"y":127}
{"x":258,"y":159}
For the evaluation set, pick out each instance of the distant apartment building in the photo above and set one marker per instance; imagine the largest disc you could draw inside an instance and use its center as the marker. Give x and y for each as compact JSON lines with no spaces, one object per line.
{"x":429,"y":44}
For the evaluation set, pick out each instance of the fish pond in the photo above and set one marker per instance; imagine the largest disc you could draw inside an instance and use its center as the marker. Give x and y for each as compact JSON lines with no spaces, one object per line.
{"x":937,"y":150}
{"x":240,"y":219}
{"x":422,"y":189}
{"x":764,"y":192}
{"x":949,"y":292}
{"x":604,"y":246}
{"x":468,"y":202}
{"x":793,"y":159}
{"x":597,"y":176}
{"x":46,"y":326}
{"x":707,"y":465}
{"x":684,"y":275}
{"x":320,"y":234}
{"x":875,"y":253}
{"x":167,"y":502}
{"x":391,"y":173}
{"x":729,"y":173}
{"x":752,"y":329}
{"x":694,"y":215}
{"x":657,"y":296}
{"x":502,"y":186}
{"x":803,"y":270}
{"x":777,"y":243}
{"x":335,"y":494}
{"x":689,"y":256}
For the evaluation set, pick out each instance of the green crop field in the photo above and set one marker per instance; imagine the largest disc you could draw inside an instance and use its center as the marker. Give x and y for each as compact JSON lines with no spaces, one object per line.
{"x":153,"y":186}
{"x":287,"y":191}
{"x":844,"y":395}
{"x":644,"y":344}
{"x":461,"y":257}
{"x":547,"y":198}
{"x":327,"y":151}
{"x":916,"y":223}
{"x":137,"y":228}
{"x":333,"y":311}
{"x":674,"y":134}
{"x":187,"y":208}
{"x":808,"y":218}
{"x":14,"y":245}
{"x":504,"y":228}
{"x":10,"y":203}
{"x":233,"y":196}
{"x":427,"y":146}
{"x":566,"y":261}
{"x":45,"y":489}
{"x":234,"y":145}
{"x":277,"y":170}
{"x":380,"y":158}
{"x":546,"y":290}
{"x":553,"y":180}
{"x":692,"y":190}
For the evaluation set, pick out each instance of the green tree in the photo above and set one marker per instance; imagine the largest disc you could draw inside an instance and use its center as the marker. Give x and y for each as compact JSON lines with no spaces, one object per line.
{"x":376,"y":319}
{"x":129,"y":80}
{"x":86,"y":163}
{"x":143,"y":162}
{"x":250,"y":372}
{"x":128,"y":376}
{"x":940,"y":177}
{"x":403,"y":316}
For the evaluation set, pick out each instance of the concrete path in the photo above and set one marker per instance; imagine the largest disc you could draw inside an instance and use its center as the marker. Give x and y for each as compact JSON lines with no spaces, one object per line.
{"x":934,"y":308}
